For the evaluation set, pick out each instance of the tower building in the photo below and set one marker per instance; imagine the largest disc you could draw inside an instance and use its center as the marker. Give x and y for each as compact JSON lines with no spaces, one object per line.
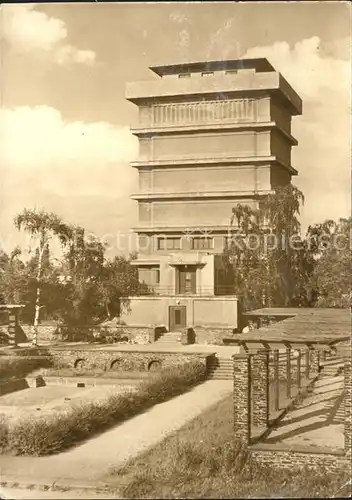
{"x":211,"y":135}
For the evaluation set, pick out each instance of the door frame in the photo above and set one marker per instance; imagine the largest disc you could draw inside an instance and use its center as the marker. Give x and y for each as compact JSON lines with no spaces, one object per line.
{"x":172,"y":325}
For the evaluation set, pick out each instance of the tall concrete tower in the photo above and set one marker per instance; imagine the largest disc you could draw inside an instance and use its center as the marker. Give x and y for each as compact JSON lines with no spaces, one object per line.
{"x":211,"y":135}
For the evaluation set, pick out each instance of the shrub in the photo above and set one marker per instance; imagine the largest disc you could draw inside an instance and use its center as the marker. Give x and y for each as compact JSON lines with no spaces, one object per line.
{"x":44,"y":436}
{"x":21,"y":366}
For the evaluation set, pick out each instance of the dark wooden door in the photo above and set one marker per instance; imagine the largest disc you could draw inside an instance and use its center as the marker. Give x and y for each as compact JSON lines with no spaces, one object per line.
{"x":186,"y":280}
{"x":177,"y":318}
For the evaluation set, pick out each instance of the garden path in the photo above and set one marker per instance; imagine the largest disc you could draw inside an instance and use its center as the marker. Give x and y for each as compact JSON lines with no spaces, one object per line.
{"x":92,"y":460}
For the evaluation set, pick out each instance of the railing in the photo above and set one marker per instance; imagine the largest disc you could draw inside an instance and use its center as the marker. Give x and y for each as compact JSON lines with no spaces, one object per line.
{"x":204,"y":112}
{"x":170,"y":290}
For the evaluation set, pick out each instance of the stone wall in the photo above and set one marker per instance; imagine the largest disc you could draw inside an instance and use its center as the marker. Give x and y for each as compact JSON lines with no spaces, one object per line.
{"x":90,"y":359}
{"x":115,"y":333}
{"x":211,"y":335}
{"x":285,"y":459}
{"x":46,"y":333}
{"x":251,"y":409}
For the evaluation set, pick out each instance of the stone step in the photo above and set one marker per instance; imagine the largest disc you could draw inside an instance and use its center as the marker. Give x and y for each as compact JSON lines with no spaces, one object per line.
{"x":169,"y":337}
{"x":229,"y":367}
{"x":217,"y":376}
{"x":222,"y":365}
{"x":221,"y":374}
{"x":168,"y":341}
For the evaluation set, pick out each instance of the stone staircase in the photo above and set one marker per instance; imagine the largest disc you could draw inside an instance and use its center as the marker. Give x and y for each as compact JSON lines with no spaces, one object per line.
{"x":169,"y":338}
{"x":332,"y":367}
{"x":220,"y":369}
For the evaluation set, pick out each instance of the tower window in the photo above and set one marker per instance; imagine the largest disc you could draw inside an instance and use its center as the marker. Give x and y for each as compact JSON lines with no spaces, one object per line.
{"x":202,"y":243}
{"x":169,"y":243}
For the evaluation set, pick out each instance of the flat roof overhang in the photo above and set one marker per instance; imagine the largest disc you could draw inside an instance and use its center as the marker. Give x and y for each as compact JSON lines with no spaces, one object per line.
{"x":154,"y":130}
{"x":190,"y":262}
{"x":240,"y":85}
{"x":145,"y":262}
{"x":303,"y":327}
{"x":196,"y":195}
{"x":187,"y":230}
{"x":260,"y":64}
{"x":185,"y":162}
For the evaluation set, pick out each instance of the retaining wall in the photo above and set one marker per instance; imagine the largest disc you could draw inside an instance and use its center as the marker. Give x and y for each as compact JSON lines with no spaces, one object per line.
{"x":90,"y":359}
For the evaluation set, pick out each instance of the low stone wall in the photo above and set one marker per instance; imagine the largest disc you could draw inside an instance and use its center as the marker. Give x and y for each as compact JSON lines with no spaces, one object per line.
{"x":284,"y":459}
{"x":212,"y":334}
{"x":90,"y":359}
{"x":107,"y":334}
{"x":47,"y":333}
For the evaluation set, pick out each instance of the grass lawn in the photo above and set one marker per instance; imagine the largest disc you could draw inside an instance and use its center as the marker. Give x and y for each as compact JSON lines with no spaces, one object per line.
{"x":201,"y":460}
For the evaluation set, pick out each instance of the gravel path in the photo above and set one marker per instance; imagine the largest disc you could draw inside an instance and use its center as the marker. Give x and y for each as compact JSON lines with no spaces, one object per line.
{"x":93,"y":459}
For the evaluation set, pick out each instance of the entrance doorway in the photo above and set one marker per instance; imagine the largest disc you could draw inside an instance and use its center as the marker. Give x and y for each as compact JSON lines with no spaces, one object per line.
{"x":186,"y":280}
{"x":177,"y":318}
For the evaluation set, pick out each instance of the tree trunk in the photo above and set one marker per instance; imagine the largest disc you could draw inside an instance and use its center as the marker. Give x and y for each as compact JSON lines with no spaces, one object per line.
{"x":37,"y":300}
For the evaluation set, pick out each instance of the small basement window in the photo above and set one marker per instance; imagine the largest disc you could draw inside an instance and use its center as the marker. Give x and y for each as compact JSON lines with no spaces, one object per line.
{"x":184,"y":75}
{"x":231,"y":72}
{"x":208,"y":73}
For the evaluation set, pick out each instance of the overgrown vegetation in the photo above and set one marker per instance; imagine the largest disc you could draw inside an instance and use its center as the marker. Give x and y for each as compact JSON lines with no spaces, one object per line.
{"x":269,"y":263}
{"x":202,"y":460}
{"x":48,"y":435}
{"x":83,"y":286}
{"x":22,"y":365}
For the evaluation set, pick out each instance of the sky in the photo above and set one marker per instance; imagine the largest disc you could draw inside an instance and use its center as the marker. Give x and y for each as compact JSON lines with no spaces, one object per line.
{"x":65,"y":143}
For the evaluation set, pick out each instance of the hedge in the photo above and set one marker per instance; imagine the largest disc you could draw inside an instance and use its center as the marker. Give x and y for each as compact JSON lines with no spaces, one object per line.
{"x":52,"y":434}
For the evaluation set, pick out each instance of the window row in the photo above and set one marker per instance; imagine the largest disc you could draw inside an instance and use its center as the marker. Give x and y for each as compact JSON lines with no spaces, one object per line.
{"x":208,"y":73}
{"x":197,"y":243}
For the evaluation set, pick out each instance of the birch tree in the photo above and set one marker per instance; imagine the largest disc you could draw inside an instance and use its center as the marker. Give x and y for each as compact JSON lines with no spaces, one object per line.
{"x":263,"y":266}
{"x":42,"y":227}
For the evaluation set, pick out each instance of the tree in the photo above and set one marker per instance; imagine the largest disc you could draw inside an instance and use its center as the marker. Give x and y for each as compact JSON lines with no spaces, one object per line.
{"x":259,"y":256}
{"x":331,"y":278}
{"x":42,"y":226}
{"x":120,"y":282}
{"x":96,"y":286}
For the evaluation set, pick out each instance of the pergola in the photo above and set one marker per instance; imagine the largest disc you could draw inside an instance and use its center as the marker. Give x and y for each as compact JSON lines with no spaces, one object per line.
{"x":296,"y":328}
{"x":266,"y":357}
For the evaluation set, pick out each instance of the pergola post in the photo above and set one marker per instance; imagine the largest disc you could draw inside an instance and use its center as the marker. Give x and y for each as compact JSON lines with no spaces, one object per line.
{"x":260,"y":385}
{"x":288,"y":373}
{"x":298,"y":369}
{"x":307,"y":362}
{"x":242,"y":397}
{"x":314,"y":362}
{"x":276,"y":380}
{"x":13,"y":322}
{"x":13,"y":311}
